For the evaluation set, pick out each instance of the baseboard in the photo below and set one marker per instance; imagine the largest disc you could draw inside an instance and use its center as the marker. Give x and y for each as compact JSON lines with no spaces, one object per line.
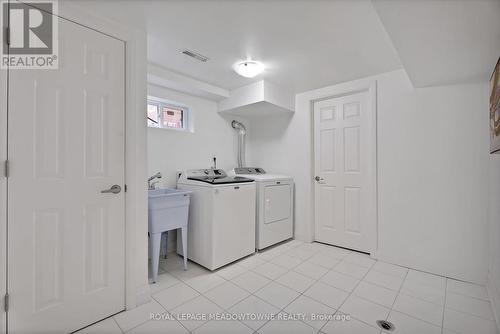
{"x":494,"y":296}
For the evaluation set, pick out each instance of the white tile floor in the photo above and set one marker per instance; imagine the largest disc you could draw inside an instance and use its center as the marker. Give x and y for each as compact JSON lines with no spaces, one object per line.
{"x":298,"y":278}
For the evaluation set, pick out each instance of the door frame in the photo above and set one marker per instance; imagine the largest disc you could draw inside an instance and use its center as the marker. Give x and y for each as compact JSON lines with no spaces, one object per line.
{"x":135,"y":248}
{"x":359,"y":86}
{"x":3,"y":195}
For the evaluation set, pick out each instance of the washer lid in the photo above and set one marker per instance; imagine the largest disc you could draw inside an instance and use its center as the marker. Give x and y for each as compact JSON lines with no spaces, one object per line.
{"x":220,"y":180}
{"x":259,"y":174}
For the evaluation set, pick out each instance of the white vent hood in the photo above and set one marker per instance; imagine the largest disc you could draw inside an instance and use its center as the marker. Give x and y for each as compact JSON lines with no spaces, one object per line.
{"x":258,"y":99}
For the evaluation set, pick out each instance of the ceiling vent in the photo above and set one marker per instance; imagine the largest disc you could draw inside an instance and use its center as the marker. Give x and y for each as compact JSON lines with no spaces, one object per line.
{"x":194,"y":55}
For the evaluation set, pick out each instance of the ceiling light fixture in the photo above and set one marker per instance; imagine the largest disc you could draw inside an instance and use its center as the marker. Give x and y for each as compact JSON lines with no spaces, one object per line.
{"x":249,"y":68}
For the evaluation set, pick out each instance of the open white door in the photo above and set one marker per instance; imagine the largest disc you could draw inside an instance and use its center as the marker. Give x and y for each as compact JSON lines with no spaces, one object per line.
{"x":345,"y":172}
{"x":66,"y":144}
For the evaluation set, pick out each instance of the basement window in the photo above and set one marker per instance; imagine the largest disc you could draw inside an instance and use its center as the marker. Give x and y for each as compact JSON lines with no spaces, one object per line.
{"x":164,"y":115}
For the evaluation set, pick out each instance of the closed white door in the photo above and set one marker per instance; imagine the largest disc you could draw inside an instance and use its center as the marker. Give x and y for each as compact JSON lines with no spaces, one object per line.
{"x":345,"y":172}
{"x":66,"y":145}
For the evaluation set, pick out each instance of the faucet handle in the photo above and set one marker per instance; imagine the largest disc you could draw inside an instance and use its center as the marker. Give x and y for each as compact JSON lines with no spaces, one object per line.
{"x":152,"y":186}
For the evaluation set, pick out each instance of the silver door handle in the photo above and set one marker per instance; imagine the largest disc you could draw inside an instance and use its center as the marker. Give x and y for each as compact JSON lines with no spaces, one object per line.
{"x":113,"y":190}
{"x":318,"y":179}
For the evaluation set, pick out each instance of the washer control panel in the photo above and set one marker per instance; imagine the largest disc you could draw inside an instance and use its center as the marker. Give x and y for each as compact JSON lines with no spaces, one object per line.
{"x":206,"y":172}
{"x":249,"y":170}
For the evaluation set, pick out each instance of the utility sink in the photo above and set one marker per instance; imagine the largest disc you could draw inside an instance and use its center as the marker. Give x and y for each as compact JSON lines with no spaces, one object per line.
{"x":167,"y":210}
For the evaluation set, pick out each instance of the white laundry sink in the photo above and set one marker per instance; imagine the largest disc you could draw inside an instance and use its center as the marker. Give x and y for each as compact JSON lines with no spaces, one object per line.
{"x":167,"y":210}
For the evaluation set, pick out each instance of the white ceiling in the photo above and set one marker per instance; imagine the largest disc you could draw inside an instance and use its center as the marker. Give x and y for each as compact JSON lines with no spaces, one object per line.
{"x":307,"y":44}
{"x":446,"y":41}
{"x":304,"y":44}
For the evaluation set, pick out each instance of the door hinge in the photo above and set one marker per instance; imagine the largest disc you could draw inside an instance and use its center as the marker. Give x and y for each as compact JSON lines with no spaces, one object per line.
{"x":6,"y":168}
{"x":6,"y":302}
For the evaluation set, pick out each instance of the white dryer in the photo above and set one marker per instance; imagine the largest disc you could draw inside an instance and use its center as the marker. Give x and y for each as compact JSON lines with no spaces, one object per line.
{"x":274,"y":205}
{"x":221,"y":227}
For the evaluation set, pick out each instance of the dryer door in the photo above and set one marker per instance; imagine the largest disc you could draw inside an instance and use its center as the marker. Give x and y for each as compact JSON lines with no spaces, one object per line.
{"x":277,"y":202}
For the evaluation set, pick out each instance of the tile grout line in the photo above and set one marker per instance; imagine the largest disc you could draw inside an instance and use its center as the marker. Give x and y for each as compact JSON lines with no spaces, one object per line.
{"x":444,"y":304}
{"x":438,"y":304}
{"x":270,"y":281}
{"x":168,"y":287}
{"x":351,"y":293}
{"x":251,"y":295}
{"x":200,"y":294}
{"x":300,"y":293}
{"x":316,"y":280}
{"x":361,"y":280}
{"x":470,"y":314}
{"x":412,"y":315}
{"x":399,"y":293}
{"x":420,"y":299}
{"x":382,"y":286}
{"x":229,"y":280}
{"x":142,"y":323}
{"x":116,"y":322}
{"x":277,"y":252}
{"x":152,"y":296}
{"x":171,"y":314}
{"x":121,"y":329}
{"x":181,"y":280}
{"x":468,"y":296}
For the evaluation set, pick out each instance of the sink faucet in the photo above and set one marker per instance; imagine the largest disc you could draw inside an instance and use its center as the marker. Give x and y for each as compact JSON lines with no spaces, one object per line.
{"x":151,"y":185}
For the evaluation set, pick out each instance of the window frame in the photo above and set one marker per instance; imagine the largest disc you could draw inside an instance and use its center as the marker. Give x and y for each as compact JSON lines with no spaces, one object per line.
{"x":157,"y":105}
{"x":160,"y":103}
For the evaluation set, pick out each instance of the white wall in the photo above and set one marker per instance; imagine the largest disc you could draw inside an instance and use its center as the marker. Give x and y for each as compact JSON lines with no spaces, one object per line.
{"x":433,"y":177}
{"x":170,"y":151}
{"x":211,"y":133}
{"x":494,"y":264}
{"x":136,"y":174}
{"x":432,"y":172}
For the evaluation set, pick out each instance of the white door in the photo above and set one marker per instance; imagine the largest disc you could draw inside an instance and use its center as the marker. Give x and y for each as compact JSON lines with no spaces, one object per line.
{"x":66,"y":145}
{"x":345,"y":172}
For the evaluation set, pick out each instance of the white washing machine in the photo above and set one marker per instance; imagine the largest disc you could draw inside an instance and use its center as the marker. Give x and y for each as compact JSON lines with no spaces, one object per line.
{"x":221,"y":227}
{"x":274,"y":205}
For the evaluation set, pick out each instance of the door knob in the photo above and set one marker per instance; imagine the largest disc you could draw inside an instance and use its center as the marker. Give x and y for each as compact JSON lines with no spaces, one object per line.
{"x":113,"y":190}
{"x":317,"y":178}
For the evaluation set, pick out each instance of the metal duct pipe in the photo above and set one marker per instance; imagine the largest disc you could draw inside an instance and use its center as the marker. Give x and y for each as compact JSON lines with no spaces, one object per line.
{"x":242,"y":131}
